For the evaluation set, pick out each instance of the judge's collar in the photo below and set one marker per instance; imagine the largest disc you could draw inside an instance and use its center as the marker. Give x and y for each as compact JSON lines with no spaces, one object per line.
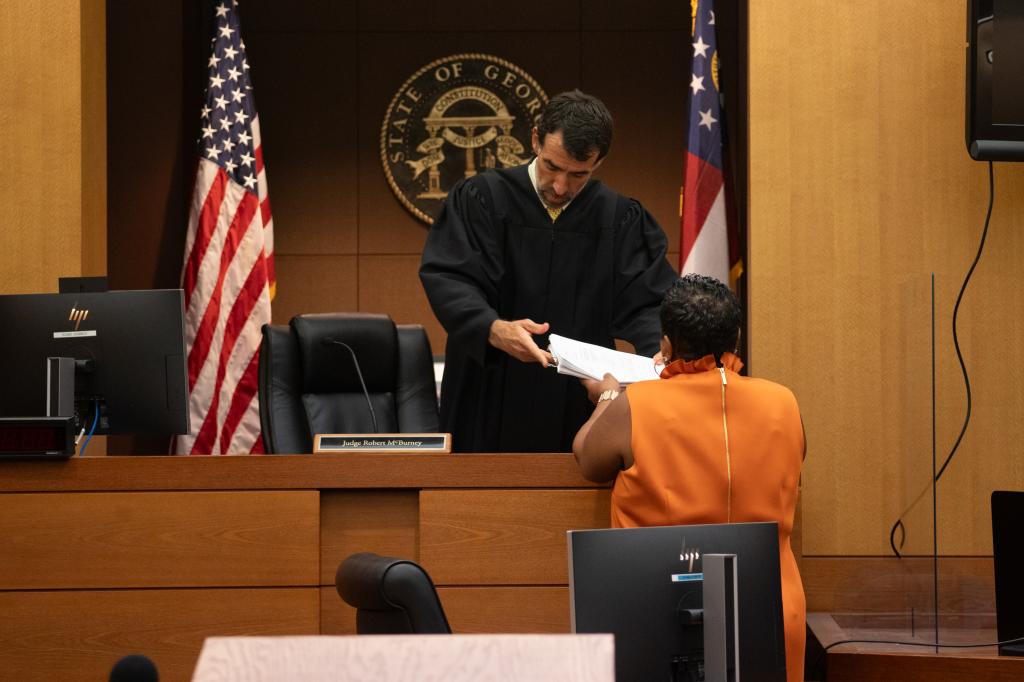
{"x":532,"y":170}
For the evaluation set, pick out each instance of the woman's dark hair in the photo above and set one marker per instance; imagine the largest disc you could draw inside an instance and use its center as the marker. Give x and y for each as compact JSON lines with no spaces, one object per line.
{"x":700,"y":316}
{"x":584,"y":121}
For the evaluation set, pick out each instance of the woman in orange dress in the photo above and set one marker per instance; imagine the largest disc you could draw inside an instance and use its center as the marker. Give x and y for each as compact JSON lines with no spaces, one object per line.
{"x":702,"y":444}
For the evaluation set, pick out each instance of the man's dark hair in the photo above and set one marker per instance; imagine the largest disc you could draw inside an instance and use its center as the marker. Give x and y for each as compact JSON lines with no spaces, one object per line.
{"x":583,"y":120}
{"x":700,"y":316}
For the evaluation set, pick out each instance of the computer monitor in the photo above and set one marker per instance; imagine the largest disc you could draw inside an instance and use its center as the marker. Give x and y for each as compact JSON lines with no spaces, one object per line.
{"x":130,"y":353}
{"x":1008,"y":561}
{"x":640,"y":584}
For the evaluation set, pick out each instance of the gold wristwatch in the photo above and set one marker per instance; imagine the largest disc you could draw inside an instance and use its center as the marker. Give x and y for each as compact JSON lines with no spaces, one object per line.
{"x":610,"y":394}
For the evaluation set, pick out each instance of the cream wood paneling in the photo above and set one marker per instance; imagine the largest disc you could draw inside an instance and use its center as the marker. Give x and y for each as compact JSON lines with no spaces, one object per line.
{"x":456,"y":658}
{"x":53,"y":163}
{"x":52,"y":142}
{"x":860,"y":189}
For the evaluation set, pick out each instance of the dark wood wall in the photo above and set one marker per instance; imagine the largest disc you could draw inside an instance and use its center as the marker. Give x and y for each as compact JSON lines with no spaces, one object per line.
{"x":324,"y":73}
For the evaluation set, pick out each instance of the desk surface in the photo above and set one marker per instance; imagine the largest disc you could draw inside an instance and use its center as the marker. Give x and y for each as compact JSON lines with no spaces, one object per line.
{"x":873,"y":653}
{"x":293,"y":472}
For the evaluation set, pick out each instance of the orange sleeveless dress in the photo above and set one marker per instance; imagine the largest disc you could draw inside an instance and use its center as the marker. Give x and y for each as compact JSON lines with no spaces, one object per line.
{"x":702,"y":454}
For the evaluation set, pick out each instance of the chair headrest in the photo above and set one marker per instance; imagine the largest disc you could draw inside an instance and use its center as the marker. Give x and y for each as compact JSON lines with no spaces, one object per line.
{"x":360,"y":580}
{"x":327,"y":366}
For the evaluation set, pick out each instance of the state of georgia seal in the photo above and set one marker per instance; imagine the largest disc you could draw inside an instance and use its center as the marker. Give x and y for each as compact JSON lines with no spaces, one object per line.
{"x":452,"y":118}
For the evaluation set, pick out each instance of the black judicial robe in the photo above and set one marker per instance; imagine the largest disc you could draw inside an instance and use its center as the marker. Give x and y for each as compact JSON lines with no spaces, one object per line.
{"x":595,"y":274}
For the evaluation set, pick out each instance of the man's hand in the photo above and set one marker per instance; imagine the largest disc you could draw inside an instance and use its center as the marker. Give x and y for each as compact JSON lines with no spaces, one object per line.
{"x":595,"y":388}
{"x":515,"y":337}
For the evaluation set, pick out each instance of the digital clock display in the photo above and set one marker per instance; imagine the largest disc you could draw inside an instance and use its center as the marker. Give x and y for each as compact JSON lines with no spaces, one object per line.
{"x":30,"y":437}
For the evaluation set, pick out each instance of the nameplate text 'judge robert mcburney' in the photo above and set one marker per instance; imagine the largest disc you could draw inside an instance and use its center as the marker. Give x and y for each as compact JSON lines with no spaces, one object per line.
{"x":382,"y":442}
{"x":451,"y":119}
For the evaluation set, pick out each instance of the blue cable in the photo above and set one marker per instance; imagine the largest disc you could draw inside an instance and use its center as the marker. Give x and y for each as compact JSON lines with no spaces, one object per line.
{"x":95,"y":420}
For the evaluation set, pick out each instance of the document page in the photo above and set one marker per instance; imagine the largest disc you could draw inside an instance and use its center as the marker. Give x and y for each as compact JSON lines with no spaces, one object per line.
{"x":587,"y":361}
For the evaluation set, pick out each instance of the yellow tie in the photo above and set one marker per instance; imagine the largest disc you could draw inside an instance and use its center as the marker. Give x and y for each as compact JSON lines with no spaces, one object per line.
{"x":554,"y":212}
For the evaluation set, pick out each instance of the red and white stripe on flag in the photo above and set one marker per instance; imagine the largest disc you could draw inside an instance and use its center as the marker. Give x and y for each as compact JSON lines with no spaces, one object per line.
{"x":705,"y":229}
{"x":228,"y":274}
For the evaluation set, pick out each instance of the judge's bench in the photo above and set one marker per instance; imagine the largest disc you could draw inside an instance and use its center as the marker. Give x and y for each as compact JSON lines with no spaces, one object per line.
{"x":105,"y":556}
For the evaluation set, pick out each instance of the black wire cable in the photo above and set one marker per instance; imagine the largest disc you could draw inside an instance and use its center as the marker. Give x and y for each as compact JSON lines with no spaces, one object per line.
{"x":963,"y":369}
{"x":956,"y":310}
{"x":95,"y":421}
{"x":1003,"y":642}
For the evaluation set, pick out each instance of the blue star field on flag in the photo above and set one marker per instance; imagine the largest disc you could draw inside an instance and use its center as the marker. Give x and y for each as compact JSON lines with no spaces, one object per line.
{"x":227,"y":113}
{"x":705,"y":138}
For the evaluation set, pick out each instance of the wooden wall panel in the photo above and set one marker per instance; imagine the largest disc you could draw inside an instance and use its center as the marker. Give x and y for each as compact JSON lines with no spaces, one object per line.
{"x":94,"y":138}
{"x":860,"y":189}
{"x":71,"y":636}
{"x":151,"y":159}
{"x":391,"y":284}
{"x":385,"y":522}
{"x":318,"y":16}
{"x":465,"y":16}
{"x":336,"y":617}
{"x":46,"y":123}
{"x":472,"y":610}
{"x":648,"y":110}
{"x":102,"y":540}
{"x":898,"y":586}
{"x":649,"y":15}
{"x":505,"y":537}
{"x":309,"y":145}
{"x":315,"y":284}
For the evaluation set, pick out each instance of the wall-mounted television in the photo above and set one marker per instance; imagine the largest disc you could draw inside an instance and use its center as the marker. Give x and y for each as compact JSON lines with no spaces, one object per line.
{"x":995,"y":80}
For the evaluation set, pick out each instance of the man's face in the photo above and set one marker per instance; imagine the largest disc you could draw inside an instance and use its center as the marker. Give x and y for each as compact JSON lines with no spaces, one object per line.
{"x":560,"y":177}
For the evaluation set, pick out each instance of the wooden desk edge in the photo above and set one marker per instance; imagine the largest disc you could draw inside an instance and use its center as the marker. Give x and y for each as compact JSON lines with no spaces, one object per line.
{"x":293,"y":472}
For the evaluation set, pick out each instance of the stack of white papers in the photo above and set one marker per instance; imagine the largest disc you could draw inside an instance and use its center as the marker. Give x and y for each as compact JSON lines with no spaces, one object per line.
{"x":587,"y":361}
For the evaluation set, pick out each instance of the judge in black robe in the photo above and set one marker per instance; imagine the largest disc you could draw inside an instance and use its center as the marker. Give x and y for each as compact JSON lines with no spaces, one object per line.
{"x":595,"y":273}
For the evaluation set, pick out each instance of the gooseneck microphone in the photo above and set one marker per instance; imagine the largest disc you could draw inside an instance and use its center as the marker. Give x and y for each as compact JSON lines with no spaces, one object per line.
{"x":134,"y":668}
{"x":359,"y":372}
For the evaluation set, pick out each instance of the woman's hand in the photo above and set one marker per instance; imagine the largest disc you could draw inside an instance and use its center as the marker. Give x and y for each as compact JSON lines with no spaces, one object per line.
{"x":595,"y":388}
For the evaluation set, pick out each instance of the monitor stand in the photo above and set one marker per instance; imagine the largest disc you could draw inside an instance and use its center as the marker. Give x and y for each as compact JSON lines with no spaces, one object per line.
{"x":78,"y":285}
{"x":1011,"y":650}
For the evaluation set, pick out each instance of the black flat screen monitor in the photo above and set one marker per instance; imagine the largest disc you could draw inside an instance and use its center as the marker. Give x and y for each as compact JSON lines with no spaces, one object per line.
{"x":1008,"y":559}
{"x":133,"y":346}
{"x":634,"y":582}
{"x":995,"y":72}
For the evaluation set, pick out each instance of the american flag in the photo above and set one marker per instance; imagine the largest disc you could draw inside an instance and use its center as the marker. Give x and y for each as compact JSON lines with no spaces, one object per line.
{"x":707,"y":238}
{"x":228,"y":276}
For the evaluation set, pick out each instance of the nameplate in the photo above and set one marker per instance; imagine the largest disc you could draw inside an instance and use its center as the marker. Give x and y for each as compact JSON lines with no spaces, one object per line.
{"x":382,"y":442}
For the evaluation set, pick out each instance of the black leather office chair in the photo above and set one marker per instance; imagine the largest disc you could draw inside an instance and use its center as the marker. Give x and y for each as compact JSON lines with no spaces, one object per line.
{"x":309,"y":383}
{"x":391,"y":596}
